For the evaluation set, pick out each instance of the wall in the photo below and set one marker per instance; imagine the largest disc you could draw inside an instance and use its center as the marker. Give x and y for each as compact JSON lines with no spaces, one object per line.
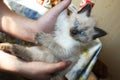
{"x":107,"y":14}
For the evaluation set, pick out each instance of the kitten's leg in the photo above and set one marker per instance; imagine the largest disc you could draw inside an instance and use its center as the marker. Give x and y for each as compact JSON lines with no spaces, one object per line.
{"x":48,"y":41}
{"x":16,"y":50}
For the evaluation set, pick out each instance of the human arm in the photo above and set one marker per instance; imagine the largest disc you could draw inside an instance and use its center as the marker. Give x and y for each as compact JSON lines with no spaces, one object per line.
{"x":24,"y":28}
{"x":16,"y":25}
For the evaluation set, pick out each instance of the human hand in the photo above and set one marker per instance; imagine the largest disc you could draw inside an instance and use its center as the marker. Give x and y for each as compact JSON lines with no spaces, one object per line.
{"x":41,"y":70}
{"x":30,"y":70}
{"x":46,"y":22}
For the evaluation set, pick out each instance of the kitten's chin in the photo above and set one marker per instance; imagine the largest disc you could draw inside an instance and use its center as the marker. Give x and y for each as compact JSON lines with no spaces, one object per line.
{"x":84,"y":41}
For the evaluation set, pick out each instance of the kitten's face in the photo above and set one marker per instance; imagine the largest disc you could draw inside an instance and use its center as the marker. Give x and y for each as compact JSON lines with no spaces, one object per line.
{"x":84,"y":27}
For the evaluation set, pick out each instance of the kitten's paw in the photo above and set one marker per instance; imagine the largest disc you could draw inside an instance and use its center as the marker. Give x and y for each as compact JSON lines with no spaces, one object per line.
{"x":43,"y":38}
{"x":16,"y":50}
{"x":7,"y":47}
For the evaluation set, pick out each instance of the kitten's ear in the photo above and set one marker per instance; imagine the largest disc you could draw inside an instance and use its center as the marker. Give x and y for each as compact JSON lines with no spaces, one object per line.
{"x":86,"y":9}
{"x":99,"y":33}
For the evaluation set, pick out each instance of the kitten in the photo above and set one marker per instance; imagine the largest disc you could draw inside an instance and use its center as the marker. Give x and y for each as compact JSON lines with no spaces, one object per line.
{"x":71,"y":31}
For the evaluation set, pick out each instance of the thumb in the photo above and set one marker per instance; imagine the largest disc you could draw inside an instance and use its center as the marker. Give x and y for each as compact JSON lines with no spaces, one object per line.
{"x":55,"y":67}
{"x":51,"y":16}
{"x":55,"y":11}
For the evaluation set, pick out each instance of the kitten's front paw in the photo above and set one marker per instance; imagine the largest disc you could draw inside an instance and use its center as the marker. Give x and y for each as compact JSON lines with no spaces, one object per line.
{"x":43,"y":38}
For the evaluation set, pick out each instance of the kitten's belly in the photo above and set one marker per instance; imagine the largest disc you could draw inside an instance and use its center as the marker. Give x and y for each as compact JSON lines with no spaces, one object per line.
{"x":42,"y":54}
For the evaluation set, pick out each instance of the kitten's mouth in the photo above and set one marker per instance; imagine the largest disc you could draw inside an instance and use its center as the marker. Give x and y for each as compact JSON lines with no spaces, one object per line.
{"x":82,"y":41}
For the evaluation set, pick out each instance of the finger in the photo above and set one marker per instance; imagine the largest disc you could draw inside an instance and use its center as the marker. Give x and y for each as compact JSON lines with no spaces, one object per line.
{"x":55,"y":11}
{"x":55,"y":67}
{"x":51,"y":16}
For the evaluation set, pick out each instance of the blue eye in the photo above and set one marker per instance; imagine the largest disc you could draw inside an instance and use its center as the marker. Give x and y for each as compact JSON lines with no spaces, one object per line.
{"x":82,"y":33}
{"x":76,"y":24}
